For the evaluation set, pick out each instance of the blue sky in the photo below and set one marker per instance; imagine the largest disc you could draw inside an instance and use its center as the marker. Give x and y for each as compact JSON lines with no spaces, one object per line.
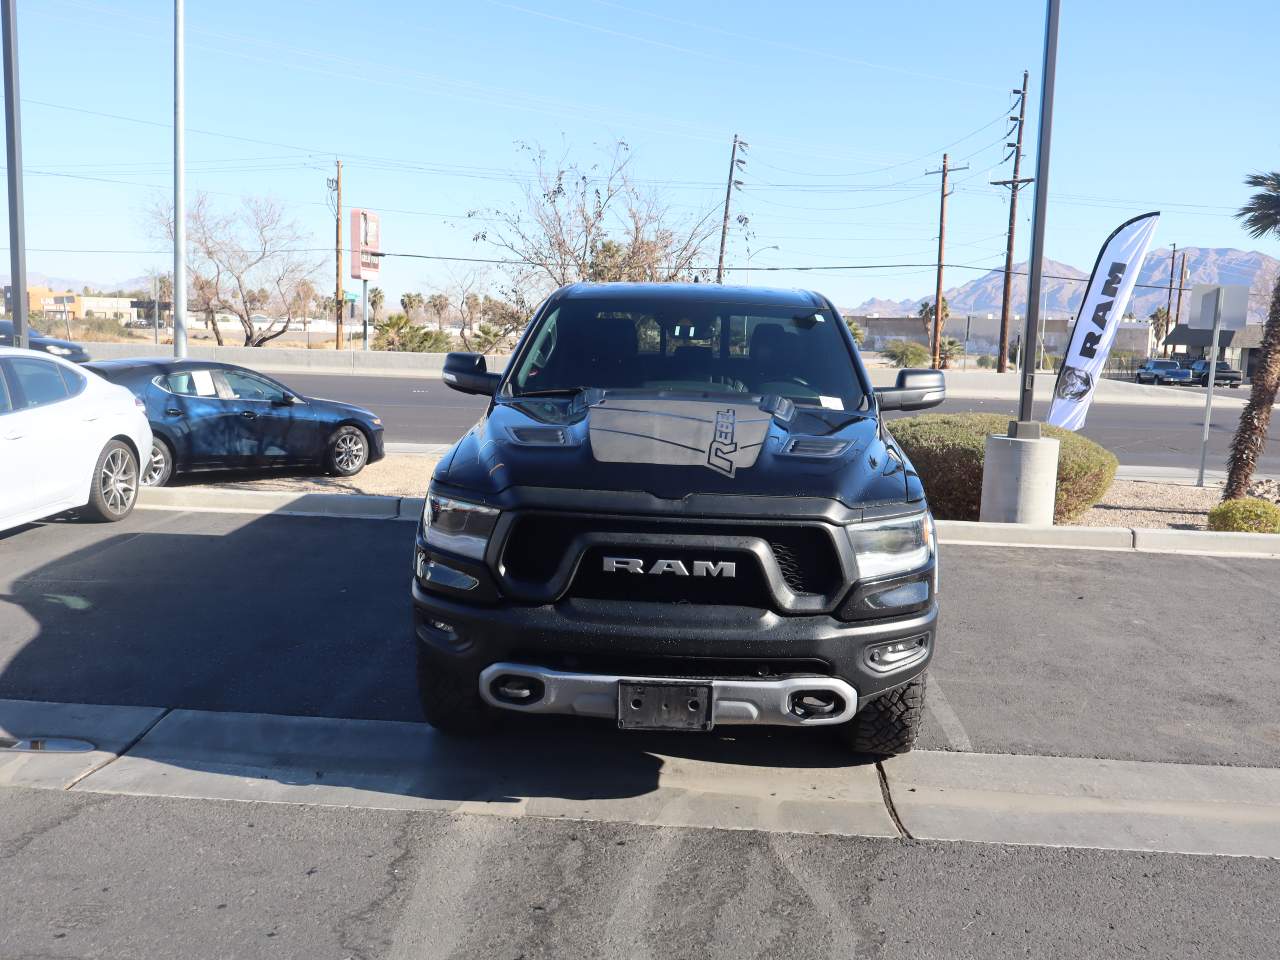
{"x":845,"y":105}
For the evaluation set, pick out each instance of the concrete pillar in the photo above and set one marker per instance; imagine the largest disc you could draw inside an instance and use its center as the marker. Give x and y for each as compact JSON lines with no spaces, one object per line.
{"x":1019,"y":477}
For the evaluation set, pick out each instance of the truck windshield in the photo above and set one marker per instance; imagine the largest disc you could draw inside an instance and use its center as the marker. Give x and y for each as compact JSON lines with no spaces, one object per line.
{"x":696,"y":346}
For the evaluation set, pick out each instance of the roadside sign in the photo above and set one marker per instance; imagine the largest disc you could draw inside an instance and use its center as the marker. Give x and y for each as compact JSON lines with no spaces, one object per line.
{"x":1235,"y":306}
{"x":366,"y":244}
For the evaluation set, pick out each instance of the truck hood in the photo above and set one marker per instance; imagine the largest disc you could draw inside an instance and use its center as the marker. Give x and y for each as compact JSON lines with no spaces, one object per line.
{"x":672,"y":445}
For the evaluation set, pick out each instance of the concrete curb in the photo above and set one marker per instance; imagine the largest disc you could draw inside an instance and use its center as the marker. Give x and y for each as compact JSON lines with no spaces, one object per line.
{"x":1075,"y":802}
{"x":955,"y":532}
{"x":352,"y":505}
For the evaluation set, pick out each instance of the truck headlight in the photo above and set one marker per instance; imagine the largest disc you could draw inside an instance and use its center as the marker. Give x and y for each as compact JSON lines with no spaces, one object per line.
{"x":888,"y":547}
{"x":458,"y":526}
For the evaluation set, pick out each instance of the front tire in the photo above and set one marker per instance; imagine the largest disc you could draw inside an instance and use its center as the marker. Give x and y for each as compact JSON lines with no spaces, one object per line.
{"x":889,"y":724}
{"x":114,"y":489}
{"x":159,"y":466}
{"x":348,"y":451}
{"x":450,"y":699}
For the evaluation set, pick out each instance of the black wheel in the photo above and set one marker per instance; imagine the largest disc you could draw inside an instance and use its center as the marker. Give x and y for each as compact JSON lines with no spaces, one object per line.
{"x":348,"y":451}
{"x":450,"y":698}
{"x":114,"y":489}
{"x":890,"y":723}
{"x":159,"y":466}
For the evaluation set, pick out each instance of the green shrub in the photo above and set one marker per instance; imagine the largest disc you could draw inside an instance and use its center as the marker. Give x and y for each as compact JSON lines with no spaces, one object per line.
{"x":985,"y":362}
{"x":907,"y":353}
{"x":1248,"y":515}
{"x":948,"y":451}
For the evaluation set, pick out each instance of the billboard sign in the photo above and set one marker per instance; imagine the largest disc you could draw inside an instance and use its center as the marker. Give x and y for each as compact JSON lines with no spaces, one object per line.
{"x":366,"y":244}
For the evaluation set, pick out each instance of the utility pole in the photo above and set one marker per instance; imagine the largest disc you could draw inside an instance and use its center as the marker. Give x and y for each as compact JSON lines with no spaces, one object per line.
{"x":735,"y":163}
{"x":340,"y":304}
{"x":179,"y":186}
{"x":942,"y":239}
{"x":1002,"y":362}
{"x":1168,"y":310}
{"x":13,"y":157}
{"x":1182,"y":282}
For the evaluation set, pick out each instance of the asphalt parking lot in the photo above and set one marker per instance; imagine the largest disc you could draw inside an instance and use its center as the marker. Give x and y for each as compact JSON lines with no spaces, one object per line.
{"x":1072,"y":652}
{"x":236,"y":638}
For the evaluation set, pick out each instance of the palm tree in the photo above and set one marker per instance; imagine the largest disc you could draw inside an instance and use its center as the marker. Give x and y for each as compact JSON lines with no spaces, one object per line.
{"x":408,"y":302}
{"x":438,"y":303}
{"x":376,"y":299}
{"x":1261,"y":216}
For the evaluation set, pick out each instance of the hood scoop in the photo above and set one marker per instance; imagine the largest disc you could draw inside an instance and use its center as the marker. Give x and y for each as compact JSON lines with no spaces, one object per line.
{"x":724,"y":437}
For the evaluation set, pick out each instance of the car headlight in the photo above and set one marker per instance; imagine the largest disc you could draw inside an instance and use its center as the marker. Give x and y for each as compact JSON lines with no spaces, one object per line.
{"x":58,"y":351}
{"x":376,"y":421}
{"x":458,"y":526}
{"x":888,"y":547}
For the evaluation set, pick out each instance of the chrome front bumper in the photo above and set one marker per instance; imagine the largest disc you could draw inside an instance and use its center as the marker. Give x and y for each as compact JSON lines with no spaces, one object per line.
{"x":733,"y":701}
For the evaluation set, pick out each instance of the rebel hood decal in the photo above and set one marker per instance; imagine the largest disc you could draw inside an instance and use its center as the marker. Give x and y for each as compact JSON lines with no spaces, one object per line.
{"x":724,"y":437}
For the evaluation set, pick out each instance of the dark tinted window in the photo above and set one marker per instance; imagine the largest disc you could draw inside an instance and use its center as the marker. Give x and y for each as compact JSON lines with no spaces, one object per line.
{"x":37,"y":382}
{"x":661,"y":344}
{"x":73,"y":380}
{"x":6,"y":403}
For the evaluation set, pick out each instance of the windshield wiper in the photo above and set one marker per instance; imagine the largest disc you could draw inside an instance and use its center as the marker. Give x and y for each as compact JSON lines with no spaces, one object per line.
{"x":551,"y":392}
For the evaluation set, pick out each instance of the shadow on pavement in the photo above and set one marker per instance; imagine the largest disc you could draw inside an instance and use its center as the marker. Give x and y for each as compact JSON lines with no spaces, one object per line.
{"x":280,"y":618}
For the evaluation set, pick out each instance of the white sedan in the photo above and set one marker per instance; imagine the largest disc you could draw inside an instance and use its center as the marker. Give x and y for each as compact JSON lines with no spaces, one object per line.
{"x":68,"y":440}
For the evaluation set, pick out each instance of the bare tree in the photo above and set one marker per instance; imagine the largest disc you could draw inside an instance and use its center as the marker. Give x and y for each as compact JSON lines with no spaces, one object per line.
{"x":249,"y":260}
{"x":595,"y":223}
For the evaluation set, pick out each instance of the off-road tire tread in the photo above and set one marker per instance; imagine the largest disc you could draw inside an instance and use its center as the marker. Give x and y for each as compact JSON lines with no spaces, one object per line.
{"x":450,"y":700}
{"x":889,"y":724}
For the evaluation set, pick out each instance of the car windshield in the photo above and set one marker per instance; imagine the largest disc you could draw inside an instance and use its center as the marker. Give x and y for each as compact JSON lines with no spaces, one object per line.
{"x":702,"y":346}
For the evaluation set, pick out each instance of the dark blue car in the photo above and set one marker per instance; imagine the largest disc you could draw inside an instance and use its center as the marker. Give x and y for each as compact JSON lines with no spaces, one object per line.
{"x":36,"y":340}
{"x":207,"y":415}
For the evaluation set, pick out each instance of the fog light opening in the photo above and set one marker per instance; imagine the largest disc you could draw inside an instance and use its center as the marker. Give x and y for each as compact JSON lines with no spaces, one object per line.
{"x":514,"y":689}
{"x":898,"y":653}
{"x":811,"y":704}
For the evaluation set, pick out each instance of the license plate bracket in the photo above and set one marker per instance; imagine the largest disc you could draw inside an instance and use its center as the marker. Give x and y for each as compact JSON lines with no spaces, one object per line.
{"x":664,"y":706}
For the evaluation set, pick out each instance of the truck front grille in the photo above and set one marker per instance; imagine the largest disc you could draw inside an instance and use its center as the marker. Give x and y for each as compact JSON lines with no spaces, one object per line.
{"x":537,"y":543}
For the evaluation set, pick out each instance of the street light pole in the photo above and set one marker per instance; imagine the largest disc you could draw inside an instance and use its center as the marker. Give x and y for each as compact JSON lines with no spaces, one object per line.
{"x":746,"y":274}
{"x":13,"y":156}
{"x":179,"y":188}
{"x":1039,"y":210}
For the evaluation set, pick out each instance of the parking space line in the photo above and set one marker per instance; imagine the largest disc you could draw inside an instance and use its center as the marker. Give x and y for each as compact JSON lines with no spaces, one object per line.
{"x":936,"y":702}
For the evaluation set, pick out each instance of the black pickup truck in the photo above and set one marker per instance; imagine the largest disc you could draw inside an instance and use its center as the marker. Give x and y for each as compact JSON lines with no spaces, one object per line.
{"x":680,"y":510}
{"x":1222,"y":374}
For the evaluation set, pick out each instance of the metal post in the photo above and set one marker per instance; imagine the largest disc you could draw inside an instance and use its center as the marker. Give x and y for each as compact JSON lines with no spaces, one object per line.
{"x":364,"y":297}
{"x":1213,"y":375}
{"x":968,"y":323}
{"x":155,"y":313}
{"x":1039,"y":208}
{"x":179,"y":188}
{"x":13,"y":157}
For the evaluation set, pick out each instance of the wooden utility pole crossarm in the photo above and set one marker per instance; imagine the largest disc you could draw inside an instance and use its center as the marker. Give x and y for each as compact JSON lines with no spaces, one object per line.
{"x":942,"y":240}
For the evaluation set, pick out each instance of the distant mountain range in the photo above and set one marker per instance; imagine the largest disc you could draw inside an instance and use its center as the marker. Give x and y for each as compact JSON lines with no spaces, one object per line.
{"x":35,"y":279}
{"x":1063,"y":285}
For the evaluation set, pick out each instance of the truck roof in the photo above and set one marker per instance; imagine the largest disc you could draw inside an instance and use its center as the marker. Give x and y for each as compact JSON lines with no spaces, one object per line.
{"x":685,"y":292}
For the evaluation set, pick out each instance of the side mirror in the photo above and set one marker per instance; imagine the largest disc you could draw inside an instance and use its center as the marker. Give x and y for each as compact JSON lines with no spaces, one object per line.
{"x":467,"y":373}
{"x":288,"y":400}
{"x":915,"y":390}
